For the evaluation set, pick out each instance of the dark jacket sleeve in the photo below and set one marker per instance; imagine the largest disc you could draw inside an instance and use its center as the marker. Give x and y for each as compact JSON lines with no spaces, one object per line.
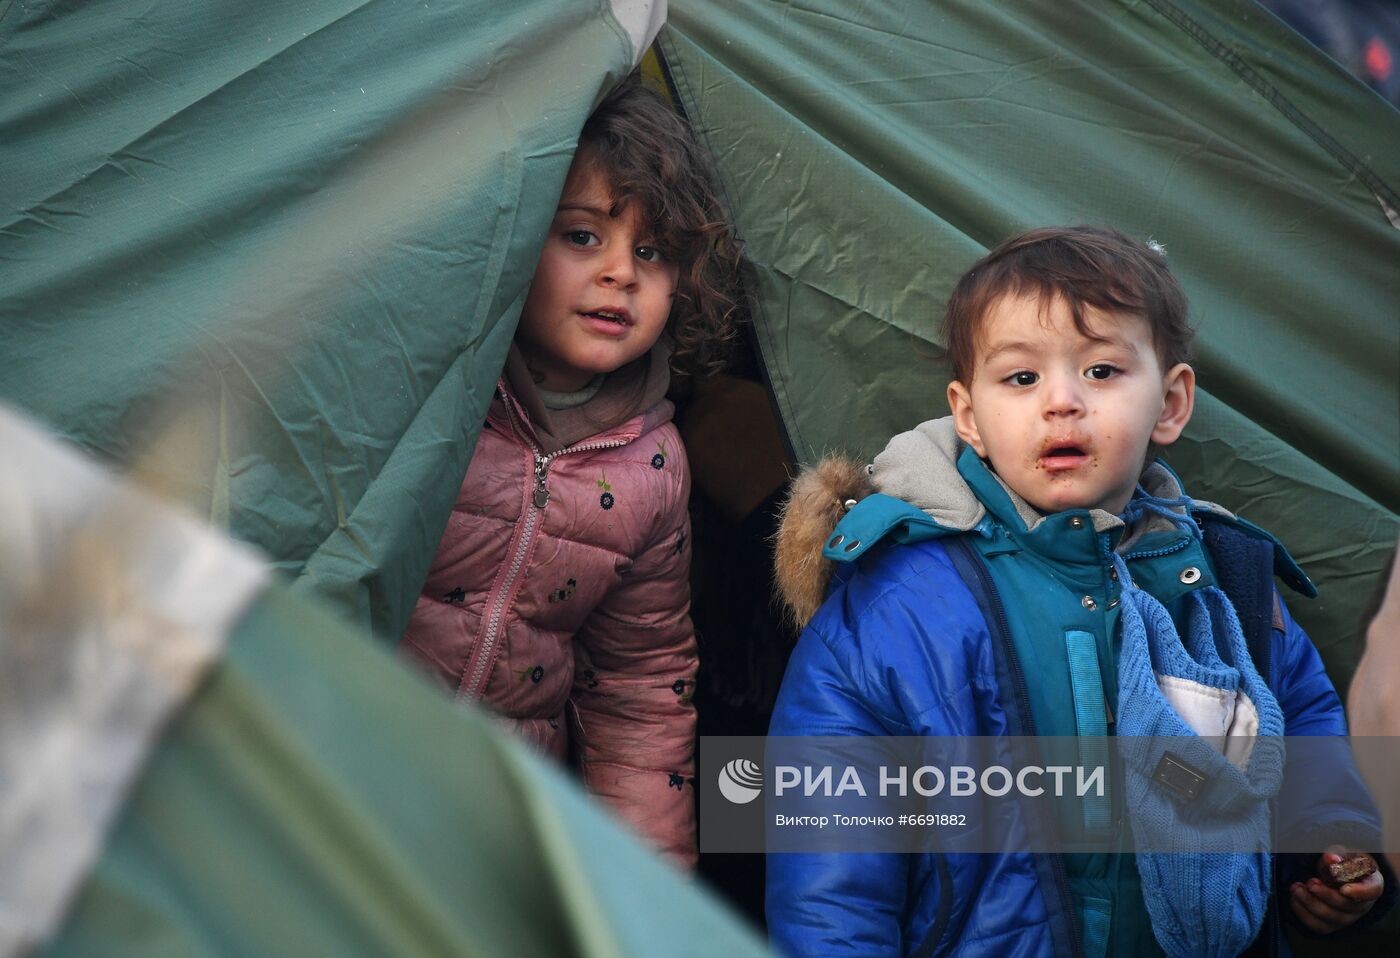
{"x":1324,"y":800}
{"x":831,"y":904}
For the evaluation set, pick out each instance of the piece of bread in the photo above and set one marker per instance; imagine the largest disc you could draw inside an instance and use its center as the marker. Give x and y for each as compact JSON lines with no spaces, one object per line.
{"x":1354,"y":866}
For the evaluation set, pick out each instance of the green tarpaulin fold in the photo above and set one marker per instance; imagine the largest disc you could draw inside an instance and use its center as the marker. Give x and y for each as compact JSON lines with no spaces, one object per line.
{"x":272,"y":254}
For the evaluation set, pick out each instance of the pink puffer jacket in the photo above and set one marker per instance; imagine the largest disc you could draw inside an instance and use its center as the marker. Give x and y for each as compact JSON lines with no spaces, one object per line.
{"x":560,"y":597}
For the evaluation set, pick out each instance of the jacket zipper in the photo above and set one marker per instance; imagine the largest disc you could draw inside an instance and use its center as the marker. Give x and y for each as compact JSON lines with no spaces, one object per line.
{"x":1023,"y":702}
{"x":1106,"y":553}
{"x":539,"y":499}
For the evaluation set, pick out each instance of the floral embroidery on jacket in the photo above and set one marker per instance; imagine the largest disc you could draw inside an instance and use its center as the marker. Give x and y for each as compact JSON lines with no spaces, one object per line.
{"x":606,"y":500}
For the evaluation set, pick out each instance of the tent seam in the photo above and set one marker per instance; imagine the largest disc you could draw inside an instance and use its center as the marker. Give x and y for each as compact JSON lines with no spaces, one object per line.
{"x":5,"y":29}
{"x":1388,"y":199}
{"x":674,"y":72}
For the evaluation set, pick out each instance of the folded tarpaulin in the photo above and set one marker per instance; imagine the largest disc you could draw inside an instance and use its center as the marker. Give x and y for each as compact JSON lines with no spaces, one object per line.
{"x":271,"y":254}
{"x":873,"y":151}
{"x":194,"y":760}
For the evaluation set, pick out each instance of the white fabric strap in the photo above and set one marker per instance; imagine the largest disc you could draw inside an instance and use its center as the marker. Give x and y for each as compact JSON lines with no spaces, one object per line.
{"x":642,"y":19}
{"x":112,"y":606}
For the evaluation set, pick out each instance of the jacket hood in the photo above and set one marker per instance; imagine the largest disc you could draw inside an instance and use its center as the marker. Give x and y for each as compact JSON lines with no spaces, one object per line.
{"x":922,"y":468}
{"x":817,"y":500}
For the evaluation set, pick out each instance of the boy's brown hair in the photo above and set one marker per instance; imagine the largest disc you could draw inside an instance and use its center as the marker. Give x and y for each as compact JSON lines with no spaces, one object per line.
{"x":1087,"y":266}
{"x":649,"y":156}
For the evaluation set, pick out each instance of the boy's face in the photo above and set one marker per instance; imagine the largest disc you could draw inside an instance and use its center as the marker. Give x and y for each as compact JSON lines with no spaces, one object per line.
{"x":600,"y":295}
{"x":1064,"y":419}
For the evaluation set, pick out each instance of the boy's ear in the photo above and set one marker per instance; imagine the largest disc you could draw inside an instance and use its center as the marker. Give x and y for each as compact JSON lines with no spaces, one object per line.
{"x":960,"y":402}
{"x":1178,"y":400}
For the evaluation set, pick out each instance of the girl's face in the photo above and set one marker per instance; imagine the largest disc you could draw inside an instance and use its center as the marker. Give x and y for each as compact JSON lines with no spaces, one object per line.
{"x":601,"y":294}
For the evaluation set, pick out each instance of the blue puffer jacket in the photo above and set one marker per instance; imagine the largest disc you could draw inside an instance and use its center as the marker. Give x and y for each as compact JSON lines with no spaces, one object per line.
{"x":913,"y":640}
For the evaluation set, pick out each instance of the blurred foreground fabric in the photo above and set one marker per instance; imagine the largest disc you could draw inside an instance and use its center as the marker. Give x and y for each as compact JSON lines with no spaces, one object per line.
{"x":196,"y":761}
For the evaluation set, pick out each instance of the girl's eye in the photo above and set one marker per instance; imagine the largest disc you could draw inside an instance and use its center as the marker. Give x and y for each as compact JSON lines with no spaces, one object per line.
{"x":1023,"y":378}
{"x":581,"y":238}
{"x":648,"y":254}
{"x":1101,"y":371}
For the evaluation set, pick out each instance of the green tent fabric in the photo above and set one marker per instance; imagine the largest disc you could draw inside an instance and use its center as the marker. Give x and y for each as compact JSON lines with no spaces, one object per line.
{"x":272,"y":254}
{"x":269,"y":256}
{"x":310,"y":796}
{"x":316,"y":799}
{"x":873,"y":151}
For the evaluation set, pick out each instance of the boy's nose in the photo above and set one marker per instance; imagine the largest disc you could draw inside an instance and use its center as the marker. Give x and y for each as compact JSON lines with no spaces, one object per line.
{"x":1062,"y":398}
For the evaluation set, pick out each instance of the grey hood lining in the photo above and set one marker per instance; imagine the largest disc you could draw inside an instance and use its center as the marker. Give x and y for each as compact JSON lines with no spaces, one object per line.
{"x":921,"y":467}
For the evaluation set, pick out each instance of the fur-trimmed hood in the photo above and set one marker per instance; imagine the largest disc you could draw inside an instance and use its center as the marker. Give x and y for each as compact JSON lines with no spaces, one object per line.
{"x":817,"y":499}
{"x":919,"y":467}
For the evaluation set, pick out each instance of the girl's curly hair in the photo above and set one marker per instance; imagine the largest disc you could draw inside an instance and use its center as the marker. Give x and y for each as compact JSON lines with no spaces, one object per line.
{"x":651,"y":157}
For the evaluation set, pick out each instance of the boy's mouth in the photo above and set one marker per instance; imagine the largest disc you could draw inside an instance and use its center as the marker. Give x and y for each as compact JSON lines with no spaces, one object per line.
{"x":610,"y":314}
{"x":1063,"y":455}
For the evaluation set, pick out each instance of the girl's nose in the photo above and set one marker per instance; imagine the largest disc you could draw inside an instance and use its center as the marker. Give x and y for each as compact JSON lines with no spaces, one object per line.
{"x":617,"y":268}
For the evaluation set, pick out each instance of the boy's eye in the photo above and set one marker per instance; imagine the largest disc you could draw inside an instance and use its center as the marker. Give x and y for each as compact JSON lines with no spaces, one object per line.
{"x":581,"y":238}
{"x":648,"y":254}
{"x":1101,"y":371}
{"x":1023,"y":378}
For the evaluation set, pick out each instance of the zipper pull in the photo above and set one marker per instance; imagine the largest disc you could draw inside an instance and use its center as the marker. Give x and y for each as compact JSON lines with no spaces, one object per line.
{"x":541,"y":498}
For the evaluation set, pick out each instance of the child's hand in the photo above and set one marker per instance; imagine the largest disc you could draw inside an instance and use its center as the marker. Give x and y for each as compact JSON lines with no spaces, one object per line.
{"x":1323,"y":909}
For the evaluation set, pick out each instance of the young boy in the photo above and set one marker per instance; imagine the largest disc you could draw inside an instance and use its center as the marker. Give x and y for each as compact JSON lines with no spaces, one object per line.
{"x":994,"y":605}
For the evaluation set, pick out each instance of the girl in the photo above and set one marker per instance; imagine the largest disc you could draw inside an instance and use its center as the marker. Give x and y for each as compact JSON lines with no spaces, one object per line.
{"x":559,"y":594}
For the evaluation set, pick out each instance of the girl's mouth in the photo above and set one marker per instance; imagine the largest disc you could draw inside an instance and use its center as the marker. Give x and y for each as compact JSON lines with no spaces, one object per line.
{"x":617,"y":317}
